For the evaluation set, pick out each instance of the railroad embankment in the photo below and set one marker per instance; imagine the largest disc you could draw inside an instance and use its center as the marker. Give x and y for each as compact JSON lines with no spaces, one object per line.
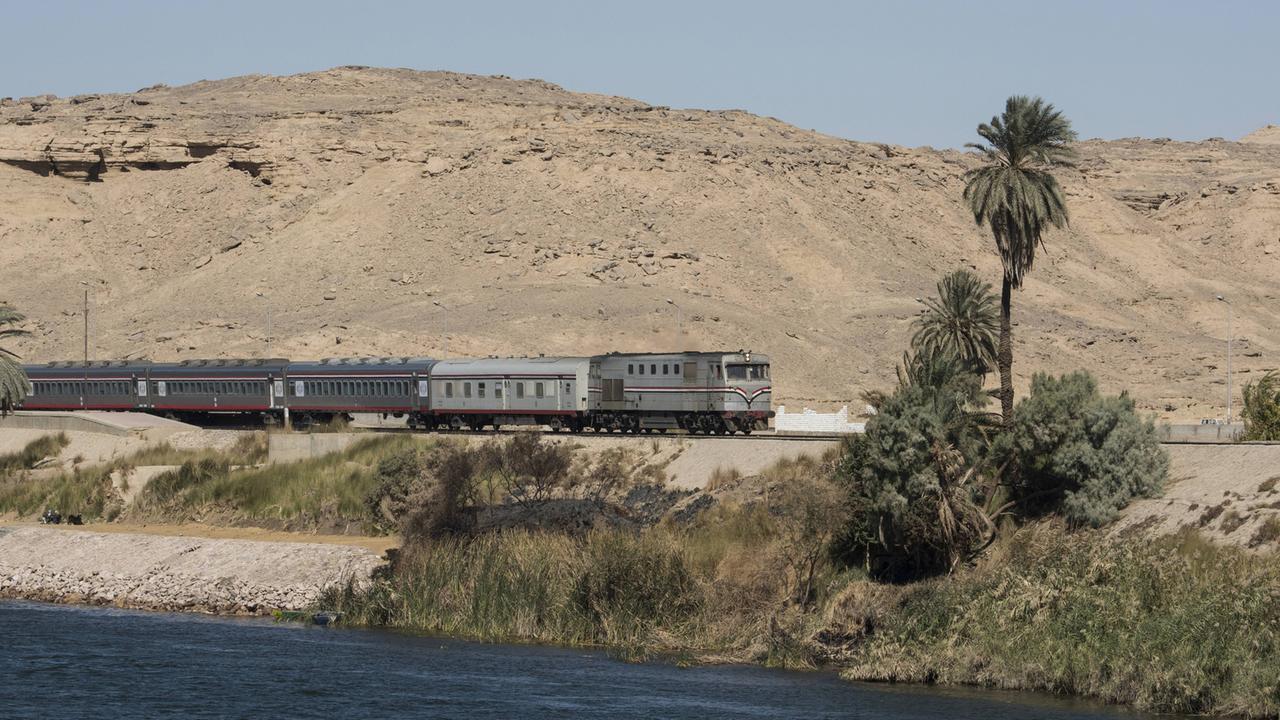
{"x":167,"y":572}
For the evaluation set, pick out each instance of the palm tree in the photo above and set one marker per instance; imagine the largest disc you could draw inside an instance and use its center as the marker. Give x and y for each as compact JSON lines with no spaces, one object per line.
{"x":962,"y":323}
{"x":1019,"y":198}
{"x":13,"y":381}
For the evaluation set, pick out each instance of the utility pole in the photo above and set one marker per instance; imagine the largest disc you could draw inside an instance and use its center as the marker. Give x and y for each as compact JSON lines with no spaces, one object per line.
{"x":84,"y":388}
{"x":444,"y":323}
{"x":679,"y":323}
{"x":1230,"y":333}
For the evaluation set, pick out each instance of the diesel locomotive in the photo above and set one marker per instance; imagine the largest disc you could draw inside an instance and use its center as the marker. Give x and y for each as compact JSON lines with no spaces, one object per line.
{"x":699,"y":392}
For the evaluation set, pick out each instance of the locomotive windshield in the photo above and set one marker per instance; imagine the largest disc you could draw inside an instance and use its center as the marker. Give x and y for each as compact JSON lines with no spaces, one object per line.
{"x":747,"y":372}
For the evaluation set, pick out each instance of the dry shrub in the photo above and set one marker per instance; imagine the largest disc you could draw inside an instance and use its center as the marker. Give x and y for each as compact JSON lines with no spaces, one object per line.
{"x":1267,"y":532}
{"x":723,"y":477}
{"x":1231,"y":522}
{"x":1210,"y":514}
{"x":811,"y":512}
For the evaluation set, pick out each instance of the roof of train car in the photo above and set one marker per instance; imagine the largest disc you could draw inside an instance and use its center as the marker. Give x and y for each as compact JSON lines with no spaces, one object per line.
{"x":93,"y":368}
{"x":338,"y":366}
{"x":699,"y":353}
{"x":219,"y":366}
{"x":508,"y":366}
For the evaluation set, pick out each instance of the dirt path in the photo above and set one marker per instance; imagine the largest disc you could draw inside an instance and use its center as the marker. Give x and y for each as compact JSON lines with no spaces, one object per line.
{"x":376,"y":544}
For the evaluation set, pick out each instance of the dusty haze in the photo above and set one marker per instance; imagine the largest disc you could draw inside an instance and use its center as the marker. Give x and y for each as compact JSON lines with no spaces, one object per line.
{"x":366,"y":211}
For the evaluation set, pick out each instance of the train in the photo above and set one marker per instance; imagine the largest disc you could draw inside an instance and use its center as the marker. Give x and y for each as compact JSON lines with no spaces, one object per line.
{"x":698,"y":392}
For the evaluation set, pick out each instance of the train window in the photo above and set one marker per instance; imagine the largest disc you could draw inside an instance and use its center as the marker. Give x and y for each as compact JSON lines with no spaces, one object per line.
{"x":448,"y":390}
{"x":653,"y":369}
{"x":675,"y":369}
{"x":641,"y":368}
{"x":537,"y":390}
{"x":631,"y":369}
{"x":519,"y":390}
{"x":497,"y":390}
{"x":480,"y":389}
{"x":466,"y":389}
{"x":666,"y":370}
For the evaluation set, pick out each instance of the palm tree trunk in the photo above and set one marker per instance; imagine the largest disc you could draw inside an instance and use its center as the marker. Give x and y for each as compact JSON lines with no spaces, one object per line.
{"x":1004,"y":356}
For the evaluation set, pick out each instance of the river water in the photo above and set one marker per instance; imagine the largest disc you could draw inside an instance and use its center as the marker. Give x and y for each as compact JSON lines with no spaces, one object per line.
{"x":73,"y":662}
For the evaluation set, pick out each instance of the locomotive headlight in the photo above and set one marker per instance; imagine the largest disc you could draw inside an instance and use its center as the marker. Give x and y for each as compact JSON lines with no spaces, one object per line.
{"x":748,"y":356}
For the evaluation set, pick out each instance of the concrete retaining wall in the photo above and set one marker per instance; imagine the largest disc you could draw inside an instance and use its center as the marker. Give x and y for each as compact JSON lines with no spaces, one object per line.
{"x":292,"y":447}
{"x":62,"y":422}
{"x":1199,"y":433}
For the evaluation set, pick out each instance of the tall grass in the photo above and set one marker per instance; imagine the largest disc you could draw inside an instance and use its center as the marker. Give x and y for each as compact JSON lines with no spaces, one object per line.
{"x":608,"y":588}
{"x":1176,"y":625}
{"x":34,"y":451}
{"x":85,"y":491}
{"x":82,"y":491}
{"x":325,"y":491}
{"x":249,"y":449}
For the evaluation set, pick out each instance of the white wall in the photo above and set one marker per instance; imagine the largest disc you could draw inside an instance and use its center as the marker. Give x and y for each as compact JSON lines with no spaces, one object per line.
{"x":809,"y":421}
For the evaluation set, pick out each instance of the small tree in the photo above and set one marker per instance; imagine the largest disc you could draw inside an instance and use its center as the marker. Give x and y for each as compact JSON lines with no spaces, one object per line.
{"x":1080,"y":453}
{"x":962,"y":323}
{"x":914,"y":483}
{"x":14,"y":384}
{"x":1262,"y":408}
{"x":529,"y":468}
{"x":813,"y":514}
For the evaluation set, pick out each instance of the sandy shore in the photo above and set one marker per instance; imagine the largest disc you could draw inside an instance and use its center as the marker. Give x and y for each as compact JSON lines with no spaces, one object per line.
{"x":190,"y":572}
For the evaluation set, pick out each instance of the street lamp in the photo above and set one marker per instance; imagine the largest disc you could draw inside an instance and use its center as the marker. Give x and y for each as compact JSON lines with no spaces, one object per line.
{"x":1229,"y":335}
{"x":267,"y":301}
{"x":445,"y":326}
{"x":679,"y":317}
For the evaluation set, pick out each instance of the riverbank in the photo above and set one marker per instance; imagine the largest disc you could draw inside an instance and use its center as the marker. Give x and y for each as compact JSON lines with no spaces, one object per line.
{"x":97,"y":662}
{"x":1172,"y":625}
{"x":169,"y":572}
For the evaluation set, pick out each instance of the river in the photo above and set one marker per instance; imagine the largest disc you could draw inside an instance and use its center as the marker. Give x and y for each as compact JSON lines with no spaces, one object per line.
{"x":76,"y":662}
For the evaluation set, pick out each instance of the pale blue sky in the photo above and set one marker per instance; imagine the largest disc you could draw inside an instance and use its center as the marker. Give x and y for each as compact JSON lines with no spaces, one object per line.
{"x":907,"y":72}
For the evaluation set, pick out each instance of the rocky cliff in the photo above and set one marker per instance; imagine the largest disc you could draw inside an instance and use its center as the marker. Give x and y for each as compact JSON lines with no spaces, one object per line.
{"x":374,"y":211}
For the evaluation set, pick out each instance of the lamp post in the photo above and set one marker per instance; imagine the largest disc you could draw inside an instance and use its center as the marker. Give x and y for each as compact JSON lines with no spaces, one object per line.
{"x":84,"y":386}
{"x":444,"y":323}
{"x":679,"y":319}
{"x":267,"y":302}
{"x":1230,"y":333}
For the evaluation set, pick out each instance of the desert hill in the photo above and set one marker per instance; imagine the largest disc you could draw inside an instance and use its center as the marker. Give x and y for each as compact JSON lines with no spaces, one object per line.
{"x":375,"y":211}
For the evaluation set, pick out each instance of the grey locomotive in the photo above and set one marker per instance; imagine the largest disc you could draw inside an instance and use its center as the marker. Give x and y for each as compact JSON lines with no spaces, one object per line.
{"x":709,"y":392}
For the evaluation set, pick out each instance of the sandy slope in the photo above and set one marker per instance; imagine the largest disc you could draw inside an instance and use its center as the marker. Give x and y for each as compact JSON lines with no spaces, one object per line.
{"x":367,"y":211}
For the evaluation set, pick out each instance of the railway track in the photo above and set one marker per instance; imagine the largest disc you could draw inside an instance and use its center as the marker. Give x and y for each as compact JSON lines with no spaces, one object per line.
{"x":615,"y":435}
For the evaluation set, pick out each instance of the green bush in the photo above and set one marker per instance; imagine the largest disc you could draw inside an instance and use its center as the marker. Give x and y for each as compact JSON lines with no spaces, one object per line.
{"x":1262,"y":408}
{"x":911,"y":477}
{"x":1080,"y":453}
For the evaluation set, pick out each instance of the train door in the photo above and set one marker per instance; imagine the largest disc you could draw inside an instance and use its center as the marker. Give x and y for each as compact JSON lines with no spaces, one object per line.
{"x":141,"y":384}
{"x":715,"y":380}
{"x":564,"y":399}
{"x":690,"y":398}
